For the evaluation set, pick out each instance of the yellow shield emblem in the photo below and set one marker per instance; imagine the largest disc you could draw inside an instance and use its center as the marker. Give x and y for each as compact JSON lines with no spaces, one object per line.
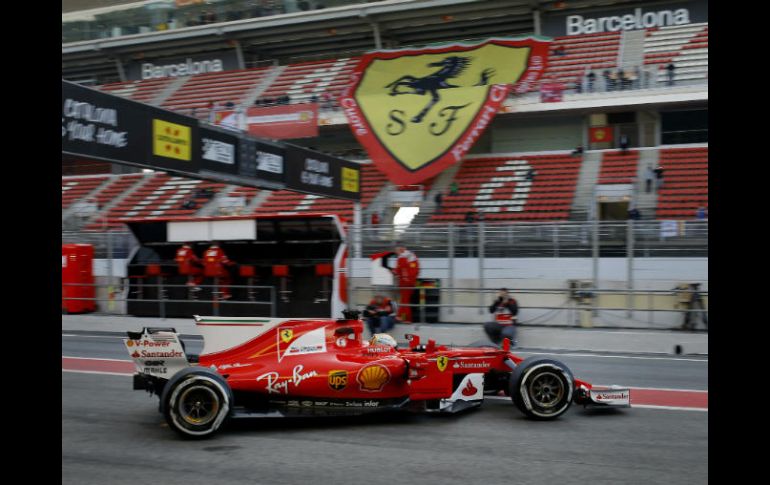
{"x":171,"y":140}
{"x":286,"y":335}
{"x":416,"y":110}
{"x":442,"y":362}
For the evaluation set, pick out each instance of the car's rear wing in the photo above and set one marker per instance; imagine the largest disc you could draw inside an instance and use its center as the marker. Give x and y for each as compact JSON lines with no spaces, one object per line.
{"x":156,"y":352}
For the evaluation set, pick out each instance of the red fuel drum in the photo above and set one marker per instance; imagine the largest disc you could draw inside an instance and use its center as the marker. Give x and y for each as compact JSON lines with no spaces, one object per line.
{"x":77,"y":268}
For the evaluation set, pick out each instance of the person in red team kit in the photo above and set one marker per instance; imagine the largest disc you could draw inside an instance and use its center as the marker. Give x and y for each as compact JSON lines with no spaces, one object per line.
{"x":406,"y":272}
{"x":214,"y":262}
{"x":189,"y":265}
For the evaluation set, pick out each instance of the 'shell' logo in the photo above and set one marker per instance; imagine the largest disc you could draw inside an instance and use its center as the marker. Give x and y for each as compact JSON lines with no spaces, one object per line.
{"x":441,"y":362}
{"x":338,"y":379}
{"x":418,"y":111}
{"x":373,"y":378}
{"x":286,"y":335}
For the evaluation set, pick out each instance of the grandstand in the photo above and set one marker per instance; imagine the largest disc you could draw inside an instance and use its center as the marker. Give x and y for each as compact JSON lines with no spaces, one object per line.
{"x":538,"y":196}
{"x":619,"y":167}
{"x":685,"y":186}
{"x":490,"y":183}
{"x":685,"y":47}
{"x":498,"y":188}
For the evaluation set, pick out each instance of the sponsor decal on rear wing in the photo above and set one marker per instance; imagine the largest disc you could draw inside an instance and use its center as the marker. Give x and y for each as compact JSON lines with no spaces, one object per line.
{"x":159,"y":354}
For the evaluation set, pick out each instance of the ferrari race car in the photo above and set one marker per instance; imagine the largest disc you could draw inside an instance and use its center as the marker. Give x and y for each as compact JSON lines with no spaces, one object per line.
{"x":278,"y":367}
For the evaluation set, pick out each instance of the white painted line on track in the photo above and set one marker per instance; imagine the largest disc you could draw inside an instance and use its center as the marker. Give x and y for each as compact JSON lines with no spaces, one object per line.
{"x":614,"y":356}
{"x":94,"y":358}
{"x":633,"y":406}
{"x":91,"y":336}
{"x":96,"y":372}
{"x":668,"y":408}
{"x":188,"y":337}
{"x":657,"y":388}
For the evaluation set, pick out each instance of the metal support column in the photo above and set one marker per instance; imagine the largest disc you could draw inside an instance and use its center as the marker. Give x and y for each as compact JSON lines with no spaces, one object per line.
{"x":121,"y":71}
{"x":595,"y":254}
{"x":348,"y":278}
{"x":356,"y":229}
{"x":110,"y":275}
{"x":161,"y":298}
{"x":451,"y":257}
{"x":536,"y":21}
{"x":239,"y":54}
{"x":630,"y":267}
{"x":555,"y":236}
{"x":480,"y":253}
{"x":377,"y":37}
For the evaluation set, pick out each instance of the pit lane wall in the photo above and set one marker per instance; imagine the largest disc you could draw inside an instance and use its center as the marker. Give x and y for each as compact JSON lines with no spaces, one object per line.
{"x":518,"y":274}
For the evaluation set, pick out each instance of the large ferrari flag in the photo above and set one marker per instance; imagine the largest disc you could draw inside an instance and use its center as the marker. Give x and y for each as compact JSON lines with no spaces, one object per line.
{"x":418,"y":111}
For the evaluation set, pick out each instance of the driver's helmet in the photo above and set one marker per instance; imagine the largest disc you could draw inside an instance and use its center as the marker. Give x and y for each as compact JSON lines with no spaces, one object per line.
{"x":383,"y":339}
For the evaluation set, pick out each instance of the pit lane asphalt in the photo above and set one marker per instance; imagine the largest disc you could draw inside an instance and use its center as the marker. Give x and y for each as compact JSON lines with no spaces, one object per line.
{"x":111,"y":434}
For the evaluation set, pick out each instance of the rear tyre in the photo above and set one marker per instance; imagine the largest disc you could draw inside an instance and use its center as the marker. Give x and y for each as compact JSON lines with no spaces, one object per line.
{"x":197,"y":404}
{"x":541,"y":388}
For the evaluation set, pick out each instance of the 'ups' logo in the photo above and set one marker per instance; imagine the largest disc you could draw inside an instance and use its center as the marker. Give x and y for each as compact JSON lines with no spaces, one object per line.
{"x":338,"y":379}
{"x":418,"y":111}
{"x":441,"y":362}
{"x":286,"y":335}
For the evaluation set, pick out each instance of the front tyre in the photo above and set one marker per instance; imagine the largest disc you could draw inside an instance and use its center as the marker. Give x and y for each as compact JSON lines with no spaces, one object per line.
{"x":541,"y":388}
{"x":197,"y":404}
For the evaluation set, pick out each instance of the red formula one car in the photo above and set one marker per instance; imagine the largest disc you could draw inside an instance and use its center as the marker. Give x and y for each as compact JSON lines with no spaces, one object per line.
{"x":268,"y":367}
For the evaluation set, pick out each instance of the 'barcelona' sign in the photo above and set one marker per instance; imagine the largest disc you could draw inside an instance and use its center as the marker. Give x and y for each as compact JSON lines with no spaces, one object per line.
{"x":418,"y":111}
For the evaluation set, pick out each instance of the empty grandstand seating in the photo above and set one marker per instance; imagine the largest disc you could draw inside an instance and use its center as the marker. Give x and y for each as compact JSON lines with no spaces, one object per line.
{"x":116,"y":188}
{"x":684,"y":45}
{"x":581,"y":53}
{"x":248,"y":193}
{"x":618,"y":167}
{"x":685,"y":182}
{"x":498,"y":187}
{"x":144,"y":91}
{"x":220,"y":87}
{"x":159,"y":195}
{"x":303,"y":81}
{"x":77,"y":188}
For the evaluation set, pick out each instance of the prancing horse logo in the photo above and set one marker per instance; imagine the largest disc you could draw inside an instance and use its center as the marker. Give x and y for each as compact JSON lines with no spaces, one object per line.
{"x":441,"y":362}
{"x":451,"y":67}
{"x":419,"y":111}
{"x":286,"y":335}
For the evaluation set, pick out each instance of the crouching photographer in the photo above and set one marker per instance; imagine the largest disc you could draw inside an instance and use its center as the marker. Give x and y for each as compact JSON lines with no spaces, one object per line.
{"x":504,"y":311}
{"x":380,"y":314}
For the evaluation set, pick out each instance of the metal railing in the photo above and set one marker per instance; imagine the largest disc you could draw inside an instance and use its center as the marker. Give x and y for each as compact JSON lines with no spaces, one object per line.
{"x":163,"y":299}
{"x":540,"y":239}
{"x":107,"y":244}
{"x":667,"y":304}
